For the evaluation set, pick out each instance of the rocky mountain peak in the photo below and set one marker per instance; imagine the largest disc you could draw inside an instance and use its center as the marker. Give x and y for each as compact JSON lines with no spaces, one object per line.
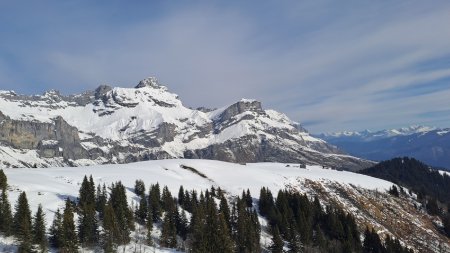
{"x":52,"y":94}
{"x":101,"y":91}
{"x":149,"y":82}
{"x":242,"y":106}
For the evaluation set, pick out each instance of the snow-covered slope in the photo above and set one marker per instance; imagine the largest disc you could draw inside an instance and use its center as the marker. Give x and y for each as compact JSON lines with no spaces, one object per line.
{"x":363,"y":196}
{"x":120,"y":125}
{"x":428,"y":144}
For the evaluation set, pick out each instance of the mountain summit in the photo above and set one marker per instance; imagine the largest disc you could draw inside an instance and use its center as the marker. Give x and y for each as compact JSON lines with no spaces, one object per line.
{"x":121,"y":125}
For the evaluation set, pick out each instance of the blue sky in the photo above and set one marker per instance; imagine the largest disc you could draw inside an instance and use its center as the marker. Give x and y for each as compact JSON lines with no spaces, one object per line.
{"x":331,"y":65}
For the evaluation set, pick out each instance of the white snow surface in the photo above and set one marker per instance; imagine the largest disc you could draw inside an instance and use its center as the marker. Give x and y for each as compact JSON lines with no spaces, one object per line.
{"x":51,"y":186}
{"x":128,"y":112}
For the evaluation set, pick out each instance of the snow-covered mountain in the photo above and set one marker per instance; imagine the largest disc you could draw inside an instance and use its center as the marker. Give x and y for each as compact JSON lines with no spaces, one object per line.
{"x":428,"y":144}
{"x":121,"y":125}
{"x":363,"y":196}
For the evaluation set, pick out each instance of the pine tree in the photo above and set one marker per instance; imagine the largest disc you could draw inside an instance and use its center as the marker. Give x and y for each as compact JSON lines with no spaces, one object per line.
{"x":320,"y":240}
{"x":446,"y":221}
{"x":69,"y":235}
{"x":224,"y":209}
{"x":181,"y":196}
{"x":142,"y":210}
{"x":154,"y":202}
{"x":182,"y":225}
{"x":139,"y":188}
{"x":87,"y":192}
{"x":22,"y":223}
{"x":167,"y":199}
{"x":169,"y":230}
{"x":277,"y":242}
{"x":56,"y":232}
{"x":88,"y":225}
{"x":39,"y":236}
{"x":87,"y":222}
{"x":111,"y":233}
{"x":394,"y":191}
{"x":294,"y":242}
{"x":197,"y":230}
{"x":372,"y":242}
{"x":6,"y":219}
{"x":100,"y":200}
{"x":3,"y":181}
{"x":224,"y":241}
{"x":149,"y":226}
{"x":432,"y":207}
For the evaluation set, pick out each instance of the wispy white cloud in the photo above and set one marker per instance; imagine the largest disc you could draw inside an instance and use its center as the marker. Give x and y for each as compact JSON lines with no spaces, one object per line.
{"x":331,"y":65}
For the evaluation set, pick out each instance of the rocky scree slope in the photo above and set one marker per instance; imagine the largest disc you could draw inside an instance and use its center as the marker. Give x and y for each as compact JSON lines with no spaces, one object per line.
{"x":122,"y":125}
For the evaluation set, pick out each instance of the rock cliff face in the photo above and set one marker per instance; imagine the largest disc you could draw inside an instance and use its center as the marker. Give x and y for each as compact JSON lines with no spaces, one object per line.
{"x":120,"y":125}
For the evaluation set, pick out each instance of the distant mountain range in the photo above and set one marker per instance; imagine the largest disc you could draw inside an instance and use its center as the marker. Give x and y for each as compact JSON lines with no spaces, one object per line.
{"x":428,"y":144}
{"x":147,"y":122}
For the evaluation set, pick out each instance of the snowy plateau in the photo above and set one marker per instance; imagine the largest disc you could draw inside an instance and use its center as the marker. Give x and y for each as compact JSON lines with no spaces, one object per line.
{"x":365,"y":197}
{"x":147,"y":122}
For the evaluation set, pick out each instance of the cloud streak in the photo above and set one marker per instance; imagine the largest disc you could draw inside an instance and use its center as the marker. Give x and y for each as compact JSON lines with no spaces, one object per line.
{"x":353,"y":65}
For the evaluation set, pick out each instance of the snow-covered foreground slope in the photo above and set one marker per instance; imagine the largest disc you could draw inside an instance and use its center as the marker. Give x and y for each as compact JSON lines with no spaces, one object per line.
{"x":50,"y":186}
{"x":363,"y":196}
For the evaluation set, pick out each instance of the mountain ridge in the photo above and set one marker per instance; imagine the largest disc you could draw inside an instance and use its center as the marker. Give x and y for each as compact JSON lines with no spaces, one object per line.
{"x":428,"y":144}
{"x":147,"y":122}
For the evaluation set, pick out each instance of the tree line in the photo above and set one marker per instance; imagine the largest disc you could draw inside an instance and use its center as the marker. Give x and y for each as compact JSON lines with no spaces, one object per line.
{"x":304,"y":225}
{"x":431,"y":186}
{"x":199,"y":222}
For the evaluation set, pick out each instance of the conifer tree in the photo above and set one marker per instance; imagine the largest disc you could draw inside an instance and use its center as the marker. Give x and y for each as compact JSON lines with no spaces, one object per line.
{"x":197,"y":230}
{"x":224,"y":240}
{"x":39,"y":235}
{"x":3,"y":181}
{"x":169,"y":229}
{"x":100,"y":200}
{"x":394,"y":191}
{"x":247,"y":228}
{"x":320,"y":240}
{"x":294,"y":242}
{"x":446,"y":221}
{"x":124,"y":215}
{"x":149,"y":227}
{"x":181,"y":196}
{"x":154,"y":202}
{"x":111,"y":233}
{"x":277,"y":242}
{"x":6,"y":219}
{"x":69,"y":235}
{"x":88,"y":225}
{"x":56,"y":231}
{"x":139,"y":188}
{"x":87,"y":221}
{"x":87,"y":192}
{"x":372,"y":242}
{"x":167,"y":199}
{"x":224,"y":209}
{"x":182,"y":225}
{"x":22,"y":223}
{"x":142,"y":210}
